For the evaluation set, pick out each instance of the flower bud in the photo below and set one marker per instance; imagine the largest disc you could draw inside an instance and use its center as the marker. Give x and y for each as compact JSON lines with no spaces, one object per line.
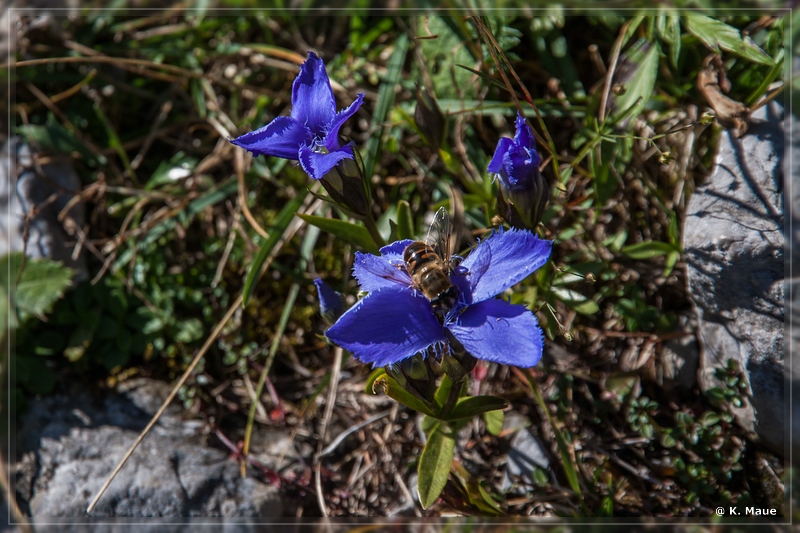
{"x":523,"y":192}
{"x":429,"y":118}
{"x":415,"y":375}
{"x":346,"y":185}
{"x":456,"y":362}
{"x":331,"y":303}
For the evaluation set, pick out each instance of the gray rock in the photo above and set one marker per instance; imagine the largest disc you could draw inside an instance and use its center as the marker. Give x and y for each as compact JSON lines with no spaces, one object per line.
{"x":676,"y":366}
{"x":526,"y":453}
{"x":48,"y":189}
{"x":69,"y":445}
{"x":792,"y":181}
{"x":734,"y":247}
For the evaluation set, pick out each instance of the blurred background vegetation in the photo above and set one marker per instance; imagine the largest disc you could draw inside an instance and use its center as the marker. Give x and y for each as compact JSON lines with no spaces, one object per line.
{"x":175,"y":215}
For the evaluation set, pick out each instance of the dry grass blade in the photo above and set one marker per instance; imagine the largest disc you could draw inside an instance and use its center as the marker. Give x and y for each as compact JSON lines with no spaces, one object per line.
{"x":326,"y":419}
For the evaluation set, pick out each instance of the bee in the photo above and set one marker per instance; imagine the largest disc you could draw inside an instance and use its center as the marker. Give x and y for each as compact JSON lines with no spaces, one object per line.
{"x":429,"y":266}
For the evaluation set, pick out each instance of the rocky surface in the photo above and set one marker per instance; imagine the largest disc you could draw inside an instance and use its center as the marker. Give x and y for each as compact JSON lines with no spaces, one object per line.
{"x":40,"y":193}
{"x":792,"y":181}
{"x":734,"y":245}
{"x":67,"y":447}
{"x":526,"y":452}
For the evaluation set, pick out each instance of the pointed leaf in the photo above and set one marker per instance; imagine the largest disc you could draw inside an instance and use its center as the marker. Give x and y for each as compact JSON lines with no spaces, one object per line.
{"x":605,"y":182}
{"x":646,"y":250}
{"x":434,"y":464}
{"x":443,"y":391}
{"x":475,"y":405}
{"x":353,"y":233}
{"x":717,"y":35}
{"x":405,"y":222}
{"x":672,"y":34}
{"x":576,"y":300}
{"x":639,"y":88}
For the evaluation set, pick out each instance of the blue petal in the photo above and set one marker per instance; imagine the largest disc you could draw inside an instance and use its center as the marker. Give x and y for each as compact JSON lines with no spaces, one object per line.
{"x":498,"y":331}
{"x":282,"y":137}
{"x":473,"y":271}
{"x":332,"y":133}
{"x":524,"y":136}
{"x":387,"y":326}
{"x":312,"y":97}
{"x":520,"y":168}
{"x":396,"y":248}
{"x":496,"y":164}
{"x":317,"y":164}
{"x":514,"y":255}
{"x":385,"y":271}
{"x":330,"y":301}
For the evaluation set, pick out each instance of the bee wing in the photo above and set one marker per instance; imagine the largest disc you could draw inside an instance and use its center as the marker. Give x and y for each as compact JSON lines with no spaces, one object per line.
{"x":439,"y":235}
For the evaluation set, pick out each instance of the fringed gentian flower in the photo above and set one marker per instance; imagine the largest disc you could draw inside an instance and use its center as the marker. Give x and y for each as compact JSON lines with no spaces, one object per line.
{"x":523,"y":191}
{"x":311,"y":133}
{"x":396,"y":321}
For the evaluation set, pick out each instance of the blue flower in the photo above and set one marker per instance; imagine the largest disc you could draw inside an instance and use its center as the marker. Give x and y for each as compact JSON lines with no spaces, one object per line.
{"x":524,"y":193}
{"x":396,"y":321}
{"x":311,"y":133}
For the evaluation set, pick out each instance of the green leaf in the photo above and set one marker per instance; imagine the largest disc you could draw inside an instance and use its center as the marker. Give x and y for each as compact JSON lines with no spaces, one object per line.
{"x":667,"y":440}
{"x":639,"y":88}
{"x":717,"y":35}
{"x":189,"y":330}
{"x":672,"y":34}
{"x":494,"y":421}
{"x":41,"y":283}
{"x":709,"y":418}
{"x":347,"y":231}
{"x":443,"y":391}
{"x":605,"y":182}
{"x":646,"y":250}
{"x":434,"y":464}
{"x":405,"y":222}
{"x":576,"y":300}
{"x":607,"y":506}
{"x":472,"y":406}
{"x":276,"y":233}
{"x":672,"y":258}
